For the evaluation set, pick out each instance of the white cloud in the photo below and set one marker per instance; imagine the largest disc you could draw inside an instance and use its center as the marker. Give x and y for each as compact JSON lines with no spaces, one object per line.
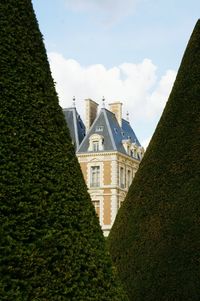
{"x":143,"y":94}
{"x":157,"y":100}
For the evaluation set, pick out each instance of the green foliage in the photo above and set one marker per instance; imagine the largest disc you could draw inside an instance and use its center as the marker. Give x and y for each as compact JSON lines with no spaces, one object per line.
{"x":155,"y":241}
{"x":51,"y":244}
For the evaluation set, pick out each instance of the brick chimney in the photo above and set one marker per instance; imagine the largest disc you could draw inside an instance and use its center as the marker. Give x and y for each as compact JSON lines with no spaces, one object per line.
{"x":116,"y":108}
{"x":90,"y":112}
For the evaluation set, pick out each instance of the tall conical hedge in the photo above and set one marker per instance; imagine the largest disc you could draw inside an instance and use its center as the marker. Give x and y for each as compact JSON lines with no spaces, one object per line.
{"x":155,"y":241}
{"x":51,"y":244}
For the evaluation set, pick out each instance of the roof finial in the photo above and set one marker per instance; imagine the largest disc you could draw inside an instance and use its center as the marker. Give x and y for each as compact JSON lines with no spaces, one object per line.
{"x":103,"y":102}
{"x":127,"y":116}
{"x":74,"y":99}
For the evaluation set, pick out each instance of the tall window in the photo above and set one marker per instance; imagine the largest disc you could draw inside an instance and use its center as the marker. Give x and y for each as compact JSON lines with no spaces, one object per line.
{"x":96,"y":204}
{"x":129,"y":180}
{"x":95,"y":176}
{"x":121,"y":177}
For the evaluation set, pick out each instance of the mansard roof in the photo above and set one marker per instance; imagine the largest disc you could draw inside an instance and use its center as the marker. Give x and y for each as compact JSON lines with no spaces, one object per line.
{"x":107,"y":126}
{"x":75,"y":125}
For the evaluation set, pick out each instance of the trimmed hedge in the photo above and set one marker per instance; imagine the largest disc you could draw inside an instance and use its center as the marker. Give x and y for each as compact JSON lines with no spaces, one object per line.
{"x":51,"y":244}
{"x":155,"y":240}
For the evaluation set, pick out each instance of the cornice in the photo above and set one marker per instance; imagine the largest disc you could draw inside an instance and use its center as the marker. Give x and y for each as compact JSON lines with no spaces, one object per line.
{"x":100,"y":154}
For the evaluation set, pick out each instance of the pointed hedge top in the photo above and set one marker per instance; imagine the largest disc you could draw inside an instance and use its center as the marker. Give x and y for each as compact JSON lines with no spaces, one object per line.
{"x":155,"y":240}
{"x":52,"y":247}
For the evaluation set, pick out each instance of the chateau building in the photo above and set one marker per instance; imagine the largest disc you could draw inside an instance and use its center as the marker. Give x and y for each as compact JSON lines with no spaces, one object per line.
{"x":109,"y":154}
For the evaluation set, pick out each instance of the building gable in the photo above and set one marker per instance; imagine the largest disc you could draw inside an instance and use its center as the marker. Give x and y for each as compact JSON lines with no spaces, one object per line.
{"x":106,"y":135}
{"x":100,"y":127}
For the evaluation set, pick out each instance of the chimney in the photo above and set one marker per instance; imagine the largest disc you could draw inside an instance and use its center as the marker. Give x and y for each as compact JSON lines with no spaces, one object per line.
{"x":116,"y":108}
{"x":90,"y":112}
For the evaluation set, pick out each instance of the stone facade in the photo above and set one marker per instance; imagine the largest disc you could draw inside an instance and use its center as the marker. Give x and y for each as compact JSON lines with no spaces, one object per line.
{"x":116,"y":172}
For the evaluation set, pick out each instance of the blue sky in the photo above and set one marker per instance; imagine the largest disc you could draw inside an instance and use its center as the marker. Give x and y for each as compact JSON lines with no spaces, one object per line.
{"x":127,"y":50}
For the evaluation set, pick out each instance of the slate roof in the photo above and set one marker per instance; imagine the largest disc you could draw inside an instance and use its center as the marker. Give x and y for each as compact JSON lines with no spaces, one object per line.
{"x":107,"y":126}
{"x":75,"y":125}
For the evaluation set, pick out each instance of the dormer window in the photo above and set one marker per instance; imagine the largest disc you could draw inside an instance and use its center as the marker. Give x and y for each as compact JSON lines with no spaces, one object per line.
{"x":140,"y":153}
{"x":95,"y":146}
{"x":136,"y":151}
{"x":96,"y":143}
{"x":127,"y":146}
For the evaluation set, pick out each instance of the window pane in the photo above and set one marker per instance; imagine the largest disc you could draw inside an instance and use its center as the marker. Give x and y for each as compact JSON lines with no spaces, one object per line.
{"x":122,"y":177}
{"x":129,"y":178}
{"x":95,"y":176}
{"x":95,"y":146}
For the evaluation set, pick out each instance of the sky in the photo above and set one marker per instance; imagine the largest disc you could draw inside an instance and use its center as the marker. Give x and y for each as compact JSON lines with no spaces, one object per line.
{"x":122,"y":50}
